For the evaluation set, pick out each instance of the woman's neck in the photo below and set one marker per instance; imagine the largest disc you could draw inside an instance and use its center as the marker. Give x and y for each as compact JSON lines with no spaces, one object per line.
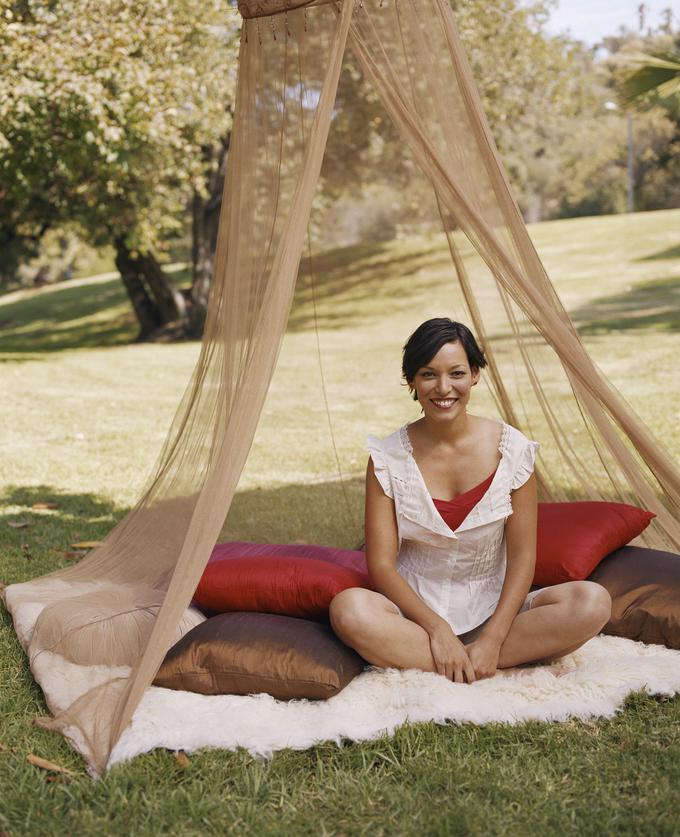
{"x":449,"y":432}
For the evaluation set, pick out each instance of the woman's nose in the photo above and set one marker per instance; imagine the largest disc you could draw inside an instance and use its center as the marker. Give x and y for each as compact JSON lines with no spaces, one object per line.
{"x":443,"y":385}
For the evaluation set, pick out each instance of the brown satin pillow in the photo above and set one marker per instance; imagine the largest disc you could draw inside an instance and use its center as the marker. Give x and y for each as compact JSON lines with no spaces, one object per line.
{"x":248,"y":653}
{"x":645,"y":588}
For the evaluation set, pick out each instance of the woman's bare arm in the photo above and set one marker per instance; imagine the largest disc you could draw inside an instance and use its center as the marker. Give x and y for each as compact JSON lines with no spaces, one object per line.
{"x":382,"y":545}
{"x":520,"y":541}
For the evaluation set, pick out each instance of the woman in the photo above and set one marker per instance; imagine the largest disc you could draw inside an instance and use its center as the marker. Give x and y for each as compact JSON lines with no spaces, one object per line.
{"x":451,"y":535}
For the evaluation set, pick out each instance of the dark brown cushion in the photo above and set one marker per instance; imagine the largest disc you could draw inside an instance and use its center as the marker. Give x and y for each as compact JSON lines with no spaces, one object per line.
{"x":247,"y":653}
{"x":645,"y":588}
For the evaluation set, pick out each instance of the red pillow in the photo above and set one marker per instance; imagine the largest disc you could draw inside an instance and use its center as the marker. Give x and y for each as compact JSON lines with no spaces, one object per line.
{"x":273,"y":584}
{"x":574,"y":537}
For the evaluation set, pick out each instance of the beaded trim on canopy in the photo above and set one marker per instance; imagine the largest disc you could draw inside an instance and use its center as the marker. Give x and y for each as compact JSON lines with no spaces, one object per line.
{"x":264,"y":8}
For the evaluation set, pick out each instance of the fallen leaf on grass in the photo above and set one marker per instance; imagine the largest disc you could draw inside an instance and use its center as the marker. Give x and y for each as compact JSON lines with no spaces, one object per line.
{"x":45,"y":504}
{"x":86,"y":544}
{"x":70,"y":554}
{"x":182,"y":758}
{"x":43,"y":764}
{"x":18,"y":524}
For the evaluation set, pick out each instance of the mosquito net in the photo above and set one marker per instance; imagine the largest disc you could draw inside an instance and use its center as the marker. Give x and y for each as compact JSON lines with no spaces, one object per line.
{"x":109,"y":621}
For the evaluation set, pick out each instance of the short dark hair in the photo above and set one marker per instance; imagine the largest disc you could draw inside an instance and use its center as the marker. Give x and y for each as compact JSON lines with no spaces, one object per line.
{"x":428,"y":339}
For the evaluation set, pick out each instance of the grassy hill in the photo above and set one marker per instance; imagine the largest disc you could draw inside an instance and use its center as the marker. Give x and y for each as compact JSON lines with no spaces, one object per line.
{"x":83,"y":414}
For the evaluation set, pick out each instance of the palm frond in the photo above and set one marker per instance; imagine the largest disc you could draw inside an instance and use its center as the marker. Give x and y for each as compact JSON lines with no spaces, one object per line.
{"x":659,"y":76}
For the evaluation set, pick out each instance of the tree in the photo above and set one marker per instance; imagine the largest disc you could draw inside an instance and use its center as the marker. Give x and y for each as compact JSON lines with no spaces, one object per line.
{"x":533,"y":88}
{"x":655,"y":86}
{"x":113,"y":118}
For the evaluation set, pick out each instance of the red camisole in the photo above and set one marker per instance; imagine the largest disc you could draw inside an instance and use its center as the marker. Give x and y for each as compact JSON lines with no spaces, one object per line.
{"x":455,"y":511}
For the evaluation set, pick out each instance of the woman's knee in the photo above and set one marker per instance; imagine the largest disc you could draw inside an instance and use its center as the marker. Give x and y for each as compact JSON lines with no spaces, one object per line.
{"x":591,"y":604}
{"x":349,"y":611}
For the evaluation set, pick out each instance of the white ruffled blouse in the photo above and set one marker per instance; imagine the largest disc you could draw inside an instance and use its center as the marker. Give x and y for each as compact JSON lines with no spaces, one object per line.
{"x":458,"y":574}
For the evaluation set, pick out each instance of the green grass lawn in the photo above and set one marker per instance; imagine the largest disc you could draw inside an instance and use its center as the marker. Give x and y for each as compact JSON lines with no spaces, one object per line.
{"x":83,"y":413}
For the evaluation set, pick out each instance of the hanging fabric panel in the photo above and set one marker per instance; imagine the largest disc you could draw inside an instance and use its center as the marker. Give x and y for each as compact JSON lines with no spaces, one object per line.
{"x":152,"y":561}
{"x":411,"y":53}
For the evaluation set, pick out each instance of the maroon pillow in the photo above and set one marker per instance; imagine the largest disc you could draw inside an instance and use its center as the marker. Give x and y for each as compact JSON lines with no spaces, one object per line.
{"x":273,"y":584}
{"x":353,"y":559}
{"x":574,"y":537}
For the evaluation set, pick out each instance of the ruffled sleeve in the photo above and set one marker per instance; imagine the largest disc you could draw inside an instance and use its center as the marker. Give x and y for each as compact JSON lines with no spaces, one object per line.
{"x":524,"y":464}
{"x":379,"y":465}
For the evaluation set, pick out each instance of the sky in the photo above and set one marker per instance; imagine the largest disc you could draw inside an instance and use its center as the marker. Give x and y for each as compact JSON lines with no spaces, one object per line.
{"x":590,"y":20}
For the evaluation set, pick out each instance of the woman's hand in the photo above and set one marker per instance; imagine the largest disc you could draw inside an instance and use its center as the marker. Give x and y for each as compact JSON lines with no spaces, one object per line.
{"x":450,"y":656}
{"x":483,"y":654}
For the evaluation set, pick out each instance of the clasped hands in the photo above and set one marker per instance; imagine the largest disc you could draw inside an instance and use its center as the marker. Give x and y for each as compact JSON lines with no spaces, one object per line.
{"x":464,"y":663}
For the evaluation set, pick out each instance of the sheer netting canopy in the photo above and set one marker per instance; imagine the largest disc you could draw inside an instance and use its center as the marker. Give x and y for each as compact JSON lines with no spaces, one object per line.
{"x":106,"y":623}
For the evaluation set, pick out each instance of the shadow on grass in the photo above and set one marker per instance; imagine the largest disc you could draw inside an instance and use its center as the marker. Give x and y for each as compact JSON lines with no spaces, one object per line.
{"x":668,"y":253}
{"x":364,"y":281}
{"x":653,"y":305}
{"x":300,"y":513}
{"x":95,"y":314}
{"x":44,"y":539}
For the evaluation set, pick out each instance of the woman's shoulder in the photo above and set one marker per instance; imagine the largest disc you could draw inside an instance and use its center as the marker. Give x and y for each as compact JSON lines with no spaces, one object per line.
{"x":506,"y":438}
{"x":515,"y":436}
{"x":389,"y":455}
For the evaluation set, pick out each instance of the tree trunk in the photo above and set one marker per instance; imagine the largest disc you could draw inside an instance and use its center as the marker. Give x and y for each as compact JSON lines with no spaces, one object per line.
{"x":534,"y":211}
{"x":170,"y":302}
{"x":205,"y":217}
{"x":160,"y":308}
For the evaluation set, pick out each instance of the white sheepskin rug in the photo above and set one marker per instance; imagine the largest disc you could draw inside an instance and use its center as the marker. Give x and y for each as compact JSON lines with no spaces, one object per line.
{"x":592,"y":682}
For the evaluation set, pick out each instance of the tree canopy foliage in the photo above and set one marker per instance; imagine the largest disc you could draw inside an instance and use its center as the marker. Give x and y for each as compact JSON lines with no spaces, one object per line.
{"x":107,"y":111}
{"x":115,"y":117}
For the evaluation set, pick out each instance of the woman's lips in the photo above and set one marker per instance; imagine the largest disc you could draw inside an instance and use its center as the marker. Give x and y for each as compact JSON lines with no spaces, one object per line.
{"x":444,"y":403}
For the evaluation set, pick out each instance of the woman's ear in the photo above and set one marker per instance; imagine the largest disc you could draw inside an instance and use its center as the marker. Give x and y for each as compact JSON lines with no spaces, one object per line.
{"x":476,"y":374}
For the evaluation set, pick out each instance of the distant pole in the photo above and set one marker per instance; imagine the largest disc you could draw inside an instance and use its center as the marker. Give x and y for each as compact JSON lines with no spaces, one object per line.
{"x":643,"y":8}
{"x":631,"y":168}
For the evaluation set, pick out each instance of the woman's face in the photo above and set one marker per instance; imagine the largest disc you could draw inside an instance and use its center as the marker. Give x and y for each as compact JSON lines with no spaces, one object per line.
{"x":443,"y":386}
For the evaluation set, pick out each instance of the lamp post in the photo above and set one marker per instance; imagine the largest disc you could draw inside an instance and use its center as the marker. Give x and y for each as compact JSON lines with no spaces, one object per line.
{"x":630,"y":170}
{"x":630,"y":166}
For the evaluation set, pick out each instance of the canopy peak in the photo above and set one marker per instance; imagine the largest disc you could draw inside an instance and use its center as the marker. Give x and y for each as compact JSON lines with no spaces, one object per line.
{"x":265,"y":8}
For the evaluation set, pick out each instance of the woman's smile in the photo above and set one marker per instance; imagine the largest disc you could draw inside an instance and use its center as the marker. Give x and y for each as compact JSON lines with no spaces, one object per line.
{"x":443,"y":403}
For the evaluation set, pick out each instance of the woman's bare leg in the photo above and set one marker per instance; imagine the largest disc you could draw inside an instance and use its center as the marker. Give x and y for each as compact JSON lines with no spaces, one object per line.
{"x":560,"y":620}
{"x":371,"y":624}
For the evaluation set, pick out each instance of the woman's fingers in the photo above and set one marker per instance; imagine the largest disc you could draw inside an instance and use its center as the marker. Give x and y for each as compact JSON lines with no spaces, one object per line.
{"x":470,"y":672}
